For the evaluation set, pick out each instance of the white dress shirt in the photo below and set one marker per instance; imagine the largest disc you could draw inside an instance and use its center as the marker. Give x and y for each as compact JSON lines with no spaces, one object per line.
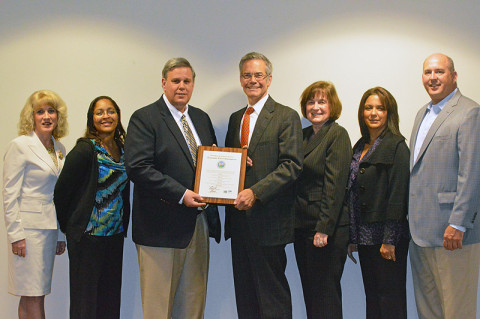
{"x":254,"y":116}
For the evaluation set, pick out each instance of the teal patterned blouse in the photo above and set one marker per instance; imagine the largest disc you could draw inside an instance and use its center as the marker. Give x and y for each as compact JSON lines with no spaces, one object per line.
{"x":107,"y":214}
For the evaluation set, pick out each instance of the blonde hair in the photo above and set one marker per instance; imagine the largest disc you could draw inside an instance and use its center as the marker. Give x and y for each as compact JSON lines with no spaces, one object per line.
{"x":39,"y":98}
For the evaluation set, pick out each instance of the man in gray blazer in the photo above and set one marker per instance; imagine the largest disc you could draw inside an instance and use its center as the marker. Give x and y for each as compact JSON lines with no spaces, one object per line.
{"x":445,"y":196}
{"x":261,"y":223}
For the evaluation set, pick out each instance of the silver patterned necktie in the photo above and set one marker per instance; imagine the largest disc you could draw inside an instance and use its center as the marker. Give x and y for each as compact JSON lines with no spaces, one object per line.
{"x":192,"y":145}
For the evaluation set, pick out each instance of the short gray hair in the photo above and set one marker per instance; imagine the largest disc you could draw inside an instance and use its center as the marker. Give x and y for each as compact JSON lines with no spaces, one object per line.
{"x":256,"y":56}
{"x":174,"y":63}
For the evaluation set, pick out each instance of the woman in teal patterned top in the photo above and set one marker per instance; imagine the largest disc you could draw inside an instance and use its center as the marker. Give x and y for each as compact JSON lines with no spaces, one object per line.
{"x":92,"y":202}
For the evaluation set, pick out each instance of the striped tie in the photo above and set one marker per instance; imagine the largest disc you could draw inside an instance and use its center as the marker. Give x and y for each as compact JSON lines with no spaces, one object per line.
{"x":192,"y":145}
{"x":245,"y":132}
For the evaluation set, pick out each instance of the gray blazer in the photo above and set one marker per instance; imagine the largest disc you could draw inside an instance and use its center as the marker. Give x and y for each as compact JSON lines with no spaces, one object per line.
{"x":445,"y":179}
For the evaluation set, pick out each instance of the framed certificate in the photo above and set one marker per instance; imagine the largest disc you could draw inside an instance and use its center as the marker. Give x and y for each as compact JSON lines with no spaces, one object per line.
{"x":220,"y":173}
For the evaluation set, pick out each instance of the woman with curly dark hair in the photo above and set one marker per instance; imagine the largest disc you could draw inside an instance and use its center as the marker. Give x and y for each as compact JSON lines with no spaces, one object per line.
{"x":92,"y":202}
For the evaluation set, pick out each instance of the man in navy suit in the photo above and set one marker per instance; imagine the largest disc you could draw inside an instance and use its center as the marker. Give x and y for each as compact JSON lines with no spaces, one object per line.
{"x":169,"y":225}
{"x":444,"y":196}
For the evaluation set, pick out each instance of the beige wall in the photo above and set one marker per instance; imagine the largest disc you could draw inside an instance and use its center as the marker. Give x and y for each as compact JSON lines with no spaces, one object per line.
{"x":88,"y":48}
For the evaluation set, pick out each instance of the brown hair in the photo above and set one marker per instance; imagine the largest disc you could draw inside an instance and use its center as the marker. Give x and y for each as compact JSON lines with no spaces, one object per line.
{"x":323,"y":87}
{"x":390,"y":104}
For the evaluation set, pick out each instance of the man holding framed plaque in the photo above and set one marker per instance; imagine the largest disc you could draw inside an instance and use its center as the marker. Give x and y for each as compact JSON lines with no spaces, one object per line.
{"x":169,"y":226}
{"x":260,"y":223}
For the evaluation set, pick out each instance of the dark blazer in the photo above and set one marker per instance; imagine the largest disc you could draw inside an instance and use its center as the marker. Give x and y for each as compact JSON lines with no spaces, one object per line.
{"x":160,"y":165}
{"x":319,"y":205}
{"x":276,"y":151}
{"x":383,"y":181}
{"x":76,"y":188}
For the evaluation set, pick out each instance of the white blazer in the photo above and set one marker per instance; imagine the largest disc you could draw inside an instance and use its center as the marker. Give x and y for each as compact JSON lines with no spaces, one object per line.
{"x":29,"y":177}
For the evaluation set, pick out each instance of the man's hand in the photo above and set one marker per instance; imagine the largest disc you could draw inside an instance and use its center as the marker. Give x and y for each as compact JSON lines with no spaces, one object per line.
{"x":19,"y":248}
{"x":249,"y":160}
{"x":320,"y":240}
{"x":245,"y":199}
{"x":192,"y":199}
{"x":351,"y":249}
{"x":452,"y":238}
{"x":388,"y":252}
{"x":60,"y":247}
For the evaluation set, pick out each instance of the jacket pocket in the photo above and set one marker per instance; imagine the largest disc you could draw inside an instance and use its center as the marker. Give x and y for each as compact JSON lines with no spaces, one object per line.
{"x":31,"y":206}
{"x":446,"y":198}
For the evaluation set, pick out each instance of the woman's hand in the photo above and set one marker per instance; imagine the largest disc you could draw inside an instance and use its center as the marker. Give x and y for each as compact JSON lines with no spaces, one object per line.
{"x":388,"y":252}
{"x":19,"y":248}
{"x":320,"y":240}
{"x":60,"y":247}
{"x":351,"y":249}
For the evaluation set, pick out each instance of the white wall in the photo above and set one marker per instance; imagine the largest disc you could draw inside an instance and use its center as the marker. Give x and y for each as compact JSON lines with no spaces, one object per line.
{"x":82,"y":49}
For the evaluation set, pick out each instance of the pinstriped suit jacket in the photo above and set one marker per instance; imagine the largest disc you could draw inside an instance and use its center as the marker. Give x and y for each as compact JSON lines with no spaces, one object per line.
{"x":321,"y":187}
{"x":276,"y":151}
{"x":445,"y":179}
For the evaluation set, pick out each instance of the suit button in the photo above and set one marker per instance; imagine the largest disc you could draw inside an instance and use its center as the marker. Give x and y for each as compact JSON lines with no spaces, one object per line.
{"x":362,"y":170}
{"x":362,"y":188}
{"x":363,"y":205}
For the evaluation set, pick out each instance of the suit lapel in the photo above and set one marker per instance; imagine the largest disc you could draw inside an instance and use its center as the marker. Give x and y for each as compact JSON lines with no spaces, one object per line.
{"x":444,"y":114}
{"x":416,"y":126}
{"x":263,"y":120}
{"x":310,"y":144}
{"x":237,"y":120}
{"x":201,"y":127}
{"x":41,"y":152}
{"x":175,"y":130}
{"x":60,"y":159}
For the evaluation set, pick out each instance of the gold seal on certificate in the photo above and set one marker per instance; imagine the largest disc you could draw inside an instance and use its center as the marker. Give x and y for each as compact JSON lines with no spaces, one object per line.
{"x":220,"y":173}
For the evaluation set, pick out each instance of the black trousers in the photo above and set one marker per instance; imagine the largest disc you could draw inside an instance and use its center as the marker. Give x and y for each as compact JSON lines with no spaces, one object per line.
{"x":320,"y":271}
{"x":261,"y":287}
{"x":95,"y":276}
{"x":385,"y":281}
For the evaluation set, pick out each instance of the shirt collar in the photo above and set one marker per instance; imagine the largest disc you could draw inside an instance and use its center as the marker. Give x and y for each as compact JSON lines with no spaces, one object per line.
{"x":259,"y":105}
{"x":175,"y":113}
{"x":439,"y":106}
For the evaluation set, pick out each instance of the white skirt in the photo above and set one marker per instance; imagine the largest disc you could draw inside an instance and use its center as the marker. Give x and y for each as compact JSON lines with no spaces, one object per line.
{"x":32,"y":275}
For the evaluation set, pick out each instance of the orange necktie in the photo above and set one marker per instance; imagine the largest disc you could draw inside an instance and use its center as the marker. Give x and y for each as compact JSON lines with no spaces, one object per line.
{"x":246,"y":127}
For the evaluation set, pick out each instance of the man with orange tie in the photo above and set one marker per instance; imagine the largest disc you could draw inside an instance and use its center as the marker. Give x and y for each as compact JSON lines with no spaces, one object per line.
{"x":169,"y":226}
{"x":261,"y":222}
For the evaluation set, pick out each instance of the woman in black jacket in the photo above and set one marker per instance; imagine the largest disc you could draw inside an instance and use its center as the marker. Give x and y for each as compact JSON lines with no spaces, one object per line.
{"x":321,"y":222}
{"x":378,"y":203}
{"x":92,"y":203}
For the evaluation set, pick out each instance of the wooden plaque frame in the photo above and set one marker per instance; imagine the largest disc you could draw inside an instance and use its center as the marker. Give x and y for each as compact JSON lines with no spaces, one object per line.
{"x":243,"y":166}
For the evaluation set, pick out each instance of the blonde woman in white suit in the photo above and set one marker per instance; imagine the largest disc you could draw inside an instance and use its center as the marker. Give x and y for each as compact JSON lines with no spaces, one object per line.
{"x":32,"y":163}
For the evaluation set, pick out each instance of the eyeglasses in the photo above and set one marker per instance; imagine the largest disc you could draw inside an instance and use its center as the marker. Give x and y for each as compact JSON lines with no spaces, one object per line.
{"x":258,"y":76}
